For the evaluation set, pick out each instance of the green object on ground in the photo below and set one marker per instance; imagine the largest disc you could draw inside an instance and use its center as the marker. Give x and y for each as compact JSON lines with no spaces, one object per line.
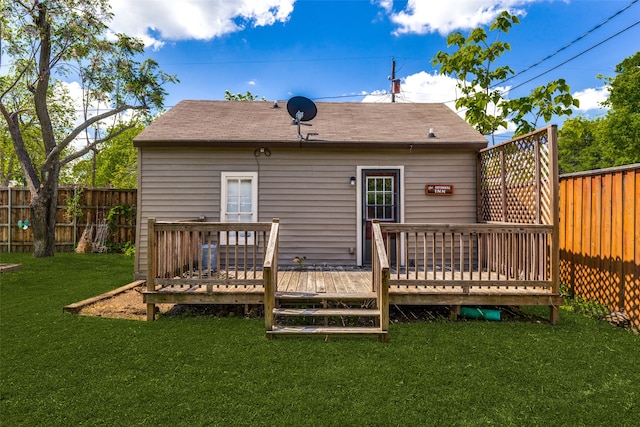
{"x":480,"y":313}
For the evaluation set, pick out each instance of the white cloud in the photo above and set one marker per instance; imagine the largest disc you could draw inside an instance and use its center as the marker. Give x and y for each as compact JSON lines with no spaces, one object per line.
{"x":423,"y":17}
{"x":387,"y":5}
{"x":420,"y":87}
{"x":591,"y":98}
{"x":158,"y":20}
{"x":426,"y":87}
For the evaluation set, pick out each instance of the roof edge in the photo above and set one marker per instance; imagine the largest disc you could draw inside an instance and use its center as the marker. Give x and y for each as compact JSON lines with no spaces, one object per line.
{"x":462,"y":145}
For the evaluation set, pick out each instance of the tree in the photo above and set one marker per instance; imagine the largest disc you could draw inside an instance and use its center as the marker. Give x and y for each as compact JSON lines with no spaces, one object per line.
{"x":46,"y":42}
{"x":619,"y":135}
{"x":9,"y":167}
{"x":612,"y":140}
{"x":578,"y":147}
{"x":228,"y":96}
{"x":473,"y":65}
{"x":624,"y":89}
{"x":61,"y":112}
{"x":620,"y":129}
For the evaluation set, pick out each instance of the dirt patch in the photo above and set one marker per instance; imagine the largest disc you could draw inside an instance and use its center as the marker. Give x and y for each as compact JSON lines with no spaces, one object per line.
{"x":127,"y":304}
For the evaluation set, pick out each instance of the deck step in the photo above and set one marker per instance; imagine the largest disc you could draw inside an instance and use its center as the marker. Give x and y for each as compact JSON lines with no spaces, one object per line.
{"x":325,"y":330}
{"x":321,"y":312}
{"x":320,"y":296}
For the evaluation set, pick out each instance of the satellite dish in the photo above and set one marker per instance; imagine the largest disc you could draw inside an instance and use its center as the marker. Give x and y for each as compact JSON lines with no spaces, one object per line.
{"x":301,"y":109}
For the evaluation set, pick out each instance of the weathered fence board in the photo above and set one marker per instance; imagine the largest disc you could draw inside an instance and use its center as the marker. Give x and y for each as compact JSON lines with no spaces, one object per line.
{"x":93,"y":205}
{"x":600,"y":237}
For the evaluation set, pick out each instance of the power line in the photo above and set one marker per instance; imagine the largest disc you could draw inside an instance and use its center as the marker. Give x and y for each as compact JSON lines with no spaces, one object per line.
{"x":343,"y":96}
{"x":565,"y":47}
{"x":575,"y":56}
{"x":272,"y":61}
{"x":561,"y":64}
{"x":571,"y":43}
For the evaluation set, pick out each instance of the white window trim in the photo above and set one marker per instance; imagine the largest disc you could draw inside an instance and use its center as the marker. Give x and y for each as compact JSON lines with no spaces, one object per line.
{"x":224,"y":177}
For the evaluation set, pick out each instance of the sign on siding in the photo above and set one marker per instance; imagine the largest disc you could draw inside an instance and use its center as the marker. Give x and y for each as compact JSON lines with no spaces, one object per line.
{"x":439,"y":189}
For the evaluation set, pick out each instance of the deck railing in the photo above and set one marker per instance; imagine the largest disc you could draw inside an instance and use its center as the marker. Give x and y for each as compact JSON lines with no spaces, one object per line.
{"x":206,"y":253}
{"x":380,"y":275}
{"x":466,"y":255}
{"x":210,"y":255}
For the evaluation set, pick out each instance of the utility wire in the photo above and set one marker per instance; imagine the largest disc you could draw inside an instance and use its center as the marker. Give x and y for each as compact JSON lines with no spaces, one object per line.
{"x":574,"y":57}
{"x":571,"y":43}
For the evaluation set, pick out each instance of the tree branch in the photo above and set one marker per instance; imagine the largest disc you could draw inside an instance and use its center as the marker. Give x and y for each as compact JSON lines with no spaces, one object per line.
{"x":44,"y":75}
{"x":94,"y":144}
{"x":14,"y":84}
{"x":33,"y":182}
{"x":53,"y":155}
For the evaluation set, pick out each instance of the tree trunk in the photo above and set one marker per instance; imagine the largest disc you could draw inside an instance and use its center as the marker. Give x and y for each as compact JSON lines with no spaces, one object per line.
{"x":44,"y":206}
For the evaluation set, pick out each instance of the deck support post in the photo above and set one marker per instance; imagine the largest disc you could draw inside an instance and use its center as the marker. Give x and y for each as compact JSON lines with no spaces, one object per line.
{"x":554,"y":314}
{"x":454,"y":312}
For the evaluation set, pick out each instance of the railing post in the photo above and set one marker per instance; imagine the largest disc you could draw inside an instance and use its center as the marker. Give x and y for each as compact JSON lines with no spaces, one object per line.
{"x":384,"y":304}
{"x":151,"y":265}
{"x":269,"y":299}
{"x":270,"y":275}
{"x":554,"y":316}
{"x":380,"y":277}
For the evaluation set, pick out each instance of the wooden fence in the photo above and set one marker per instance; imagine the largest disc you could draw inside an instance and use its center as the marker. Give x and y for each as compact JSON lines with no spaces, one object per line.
{"x":600,"y":237}
{"x":90,"y":205}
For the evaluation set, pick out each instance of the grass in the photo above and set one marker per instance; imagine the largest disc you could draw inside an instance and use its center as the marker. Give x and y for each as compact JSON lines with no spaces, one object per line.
{"x":60,"y":369}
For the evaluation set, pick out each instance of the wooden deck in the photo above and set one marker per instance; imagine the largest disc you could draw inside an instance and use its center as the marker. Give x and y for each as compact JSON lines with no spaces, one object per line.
{"x":341,"y":283}
{"x":441,"y":264}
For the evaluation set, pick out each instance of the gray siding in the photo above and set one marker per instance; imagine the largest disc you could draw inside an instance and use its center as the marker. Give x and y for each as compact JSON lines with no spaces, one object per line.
{"x":308,"y":190}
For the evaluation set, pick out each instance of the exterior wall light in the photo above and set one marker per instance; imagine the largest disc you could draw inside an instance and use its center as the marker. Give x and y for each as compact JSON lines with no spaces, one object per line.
{"x":352,"y":180}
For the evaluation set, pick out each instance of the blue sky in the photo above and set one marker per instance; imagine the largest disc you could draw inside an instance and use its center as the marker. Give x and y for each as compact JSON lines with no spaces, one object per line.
{"x":341,"y":50}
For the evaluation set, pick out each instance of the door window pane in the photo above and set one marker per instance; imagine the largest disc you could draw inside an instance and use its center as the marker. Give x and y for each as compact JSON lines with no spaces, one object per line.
{"x":380,"y":198}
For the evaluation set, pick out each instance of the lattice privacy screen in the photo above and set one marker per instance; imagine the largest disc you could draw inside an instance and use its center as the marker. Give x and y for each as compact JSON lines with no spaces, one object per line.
{"x":516,"y":181}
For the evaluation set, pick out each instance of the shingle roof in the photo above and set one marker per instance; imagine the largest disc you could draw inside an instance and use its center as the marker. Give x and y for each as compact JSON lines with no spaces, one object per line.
{"x":348,"y":123}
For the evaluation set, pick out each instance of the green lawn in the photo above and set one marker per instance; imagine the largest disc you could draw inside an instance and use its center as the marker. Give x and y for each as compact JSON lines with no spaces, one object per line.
{"x":60,"y":369}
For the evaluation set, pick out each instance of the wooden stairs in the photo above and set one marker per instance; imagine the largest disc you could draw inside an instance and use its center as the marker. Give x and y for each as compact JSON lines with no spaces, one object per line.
{"x":326,"y":314}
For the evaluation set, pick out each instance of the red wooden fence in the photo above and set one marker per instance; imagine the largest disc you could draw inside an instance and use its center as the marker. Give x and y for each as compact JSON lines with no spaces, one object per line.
{"x":600,"y":237}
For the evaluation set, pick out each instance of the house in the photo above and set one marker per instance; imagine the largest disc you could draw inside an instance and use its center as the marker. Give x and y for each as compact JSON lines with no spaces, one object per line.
{"x":279,"y":204}
{"x":325,"y":179}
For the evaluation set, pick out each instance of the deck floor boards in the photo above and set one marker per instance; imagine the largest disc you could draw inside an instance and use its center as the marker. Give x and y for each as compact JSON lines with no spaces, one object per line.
{"x":338,"y":280}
